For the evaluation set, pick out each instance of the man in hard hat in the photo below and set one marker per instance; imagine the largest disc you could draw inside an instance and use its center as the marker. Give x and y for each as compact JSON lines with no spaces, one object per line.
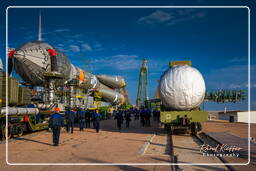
{"x":55,"y":123}
{"x":70,"y":118}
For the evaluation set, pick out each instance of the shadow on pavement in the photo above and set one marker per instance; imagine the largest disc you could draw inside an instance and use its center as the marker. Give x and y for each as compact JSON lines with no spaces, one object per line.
{"x":135,"y":127}
{"x":26,"y":139}
{"x":122,"y":167}
{"x":200,"y":167}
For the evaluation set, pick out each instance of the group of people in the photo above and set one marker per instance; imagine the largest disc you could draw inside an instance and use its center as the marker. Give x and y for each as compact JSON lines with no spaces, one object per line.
{"x":143,"y":114}
{"x":84,"y":119}
{"x":120,"y":116}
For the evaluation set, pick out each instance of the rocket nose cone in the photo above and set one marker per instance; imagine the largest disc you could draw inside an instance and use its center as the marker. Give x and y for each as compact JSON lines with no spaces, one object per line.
{"x":19,"y":54}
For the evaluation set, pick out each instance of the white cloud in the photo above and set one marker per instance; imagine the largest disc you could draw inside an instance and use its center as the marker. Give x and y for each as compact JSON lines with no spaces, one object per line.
{"x":60,"y":45}
{"x":79,"y":47}
{"x":171,"y":17}
{"x":128,"y":63}
{"x":156,"y":17}
{"x":231,"y":77}
{"x":55,"y":31}
{"x":77,"y":36}
{"x":186,"y":17}
{"x":74,"y":48}
{"x":237,"y":60}
{"x":61,"y":30}
{"x":119,"y":62}
{"x":97,"y":45}
{"x":236,"y":86}
{"x":86,"y":47}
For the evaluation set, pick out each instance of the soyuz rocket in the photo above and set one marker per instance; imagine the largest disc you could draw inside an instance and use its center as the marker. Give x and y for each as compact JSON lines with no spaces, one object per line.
{"x":34,"y":59}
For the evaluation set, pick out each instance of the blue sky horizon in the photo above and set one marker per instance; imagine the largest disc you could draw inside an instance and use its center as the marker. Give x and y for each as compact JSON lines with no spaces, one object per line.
{"x":114,"y":41}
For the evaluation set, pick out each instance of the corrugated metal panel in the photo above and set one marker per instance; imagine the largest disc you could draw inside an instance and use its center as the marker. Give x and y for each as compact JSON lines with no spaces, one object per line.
{"x":12,"y":90}
{"x":24,"y":96}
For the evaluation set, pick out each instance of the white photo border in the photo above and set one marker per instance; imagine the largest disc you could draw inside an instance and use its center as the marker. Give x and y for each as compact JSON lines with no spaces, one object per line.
{"x":126,"y":164}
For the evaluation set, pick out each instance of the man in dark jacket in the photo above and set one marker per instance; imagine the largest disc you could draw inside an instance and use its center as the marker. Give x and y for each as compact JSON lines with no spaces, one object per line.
{"x":119,"y":118}
{"x":142,"y":117}
{"x":156,"y":114}
{"x":55,"y":123}
{"x":147,"y":117}
{"x":127,"y":118}
{"x":96,"y":120}
{"x":70,"y":118}
{"x":137,"y":114}
{"x":88,"y":119}
{"x":81,"y":118}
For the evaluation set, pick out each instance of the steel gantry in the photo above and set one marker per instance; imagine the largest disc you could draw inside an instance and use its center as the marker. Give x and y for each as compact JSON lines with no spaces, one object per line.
{"x":142,"y":92}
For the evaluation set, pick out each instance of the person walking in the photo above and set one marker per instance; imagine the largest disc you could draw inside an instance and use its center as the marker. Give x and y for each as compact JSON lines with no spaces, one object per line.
{"x":70,"y":118}
{"x":127,"y":118}
{"x":136,"y":112}
{"x":114,"y":114}
{"x":88,"y":119}
{"x":142,"y":117}
{"x":147,"y":117}
{"x":55,"y":123}
{"x":96,"y":119}
{"x":156,"y":114}
{"x":119,"y":118}
{"x":81,"y":118}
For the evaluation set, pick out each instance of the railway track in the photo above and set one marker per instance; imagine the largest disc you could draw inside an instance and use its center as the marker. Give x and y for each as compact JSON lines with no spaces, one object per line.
{"x":205,"y":139}
{"x":173,"y":156}
{"x":185,"y":149}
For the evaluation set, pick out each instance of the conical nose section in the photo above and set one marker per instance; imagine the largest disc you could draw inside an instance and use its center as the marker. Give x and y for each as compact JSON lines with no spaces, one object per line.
{"x":19,"y":54}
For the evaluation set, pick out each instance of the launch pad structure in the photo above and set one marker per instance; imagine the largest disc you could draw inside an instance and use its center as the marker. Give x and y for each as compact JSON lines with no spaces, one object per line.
{"x":142,"y":91}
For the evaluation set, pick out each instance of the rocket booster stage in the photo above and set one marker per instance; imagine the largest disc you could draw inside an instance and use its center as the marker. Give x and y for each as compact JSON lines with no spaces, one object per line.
{"x":34,"y":59}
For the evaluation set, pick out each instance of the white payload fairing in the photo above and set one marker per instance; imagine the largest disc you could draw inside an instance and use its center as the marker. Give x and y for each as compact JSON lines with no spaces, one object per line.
{"x":181,"y":87}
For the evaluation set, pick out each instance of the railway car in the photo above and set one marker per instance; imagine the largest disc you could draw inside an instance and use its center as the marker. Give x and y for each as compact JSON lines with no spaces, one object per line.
{"x":183,"y":120}
{"x":21,"y":120}
{"x":22,"y":116}
{"x":181,"y":90}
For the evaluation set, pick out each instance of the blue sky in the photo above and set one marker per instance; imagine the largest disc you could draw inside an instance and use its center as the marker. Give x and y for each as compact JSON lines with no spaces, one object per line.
{"x":114,"y":41}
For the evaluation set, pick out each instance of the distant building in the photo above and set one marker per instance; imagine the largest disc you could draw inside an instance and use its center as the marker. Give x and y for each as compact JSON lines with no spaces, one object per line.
{"x":243,"y":116}
{"x":233,"y":116}
{"x":213,"y":115}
